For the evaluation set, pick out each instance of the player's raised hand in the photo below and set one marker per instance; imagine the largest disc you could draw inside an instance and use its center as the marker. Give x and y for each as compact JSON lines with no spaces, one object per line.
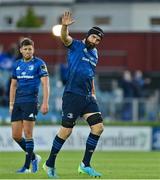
{"x":67,"y":19}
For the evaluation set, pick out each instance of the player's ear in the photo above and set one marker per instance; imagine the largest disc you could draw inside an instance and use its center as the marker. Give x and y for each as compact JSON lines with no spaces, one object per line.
{"x":20,"y":50}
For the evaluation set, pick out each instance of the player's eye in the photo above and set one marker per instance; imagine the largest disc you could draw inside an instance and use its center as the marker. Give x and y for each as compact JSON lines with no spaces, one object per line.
{"x":27,"y":49}
{"x":98,"y":40}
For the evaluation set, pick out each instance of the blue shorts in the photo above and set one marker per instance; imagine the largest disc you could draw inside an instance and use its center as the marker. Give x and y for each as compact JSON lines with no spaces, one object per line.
{"x":75,"y":105}
{"x":24,"y":111}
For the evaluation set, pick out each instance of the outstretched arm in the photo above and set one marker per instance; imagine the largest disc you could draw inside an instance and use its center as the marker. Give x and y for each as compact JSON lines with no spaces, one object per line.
{"x":66,"y":21}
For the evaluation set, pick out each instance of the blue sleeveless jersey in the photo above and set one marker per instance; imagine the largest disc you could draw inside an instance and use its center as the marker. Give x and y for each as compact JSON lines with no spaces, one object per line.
{"x":28,"y":76}
{"x":81,"y":68}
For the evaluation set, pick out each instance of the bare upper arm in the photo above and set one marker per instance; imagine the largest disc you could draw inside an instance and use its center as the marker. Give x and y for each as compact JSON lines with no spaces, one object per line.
{"x":14,"y":82}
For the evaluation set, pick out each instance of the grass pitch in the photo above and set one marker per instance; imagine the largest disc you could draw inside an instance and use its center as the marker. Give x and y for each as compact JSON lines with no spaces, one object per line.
{"x":113,"y":165}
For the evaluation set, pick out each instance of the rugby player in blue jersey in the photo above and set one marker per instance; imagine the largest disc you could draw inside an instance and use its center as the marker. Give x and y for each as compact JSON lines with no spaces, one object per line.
{"x":28,"y":73}
{"x":79,"y":96}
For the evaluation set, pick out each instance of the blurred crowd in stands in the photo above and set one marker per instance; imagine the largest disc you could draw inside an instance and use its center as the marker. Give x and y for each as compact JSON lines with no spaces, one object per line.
{"x":133,"y":87}
{"x":6,"y":61}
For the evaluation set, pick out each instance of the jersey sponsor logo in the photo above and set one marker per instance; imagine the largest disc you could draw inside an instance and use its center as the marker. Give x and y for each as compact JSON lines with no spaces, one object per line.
{"x":88,"y":57}
{"x":31,"y":67}
{"x":25,"y":77}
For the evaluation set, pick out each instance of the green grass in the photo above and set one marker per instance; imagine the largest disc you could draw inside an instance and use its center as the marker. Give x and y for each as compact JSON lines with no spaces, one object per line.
{"x":113,"y":165}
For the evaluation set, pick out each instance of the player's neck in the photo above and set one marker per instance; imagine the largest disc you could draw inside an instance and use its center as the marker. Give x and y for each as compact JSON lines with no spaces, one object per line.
{"x":27,"y":60}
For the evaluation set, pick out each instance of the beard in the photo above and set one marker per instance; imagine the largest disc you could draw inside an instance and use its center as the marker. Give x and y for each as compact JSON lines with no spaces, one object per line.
{"x":88,"y":44}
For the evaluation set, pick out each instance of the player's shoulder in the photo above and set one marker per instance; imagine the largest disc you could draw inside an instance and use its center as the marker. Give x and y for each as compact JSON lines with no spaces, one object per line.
{"x":17,"y":62}
{"x":76,"y":42}
{"x":38,"y":60}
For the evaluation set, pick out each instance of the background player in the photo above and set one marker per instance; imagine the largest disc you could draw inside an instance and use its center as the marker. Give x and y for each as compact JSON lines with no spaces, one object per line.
{"x":79,"y":96}
{"x":28,"y":72}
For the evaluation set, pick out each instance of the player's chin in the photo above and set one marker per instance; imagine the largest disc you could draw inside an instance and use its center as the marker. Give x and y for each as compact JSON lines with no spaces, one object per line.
{"x":28,"y":57}
{"x":91,"y":45}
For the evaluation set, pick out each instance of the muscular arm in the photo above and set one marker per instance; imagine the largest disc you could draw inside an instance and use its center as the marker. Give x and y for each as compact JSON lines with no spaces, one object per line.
{"x":46,"y":91}
{"x":66,"y":39}
{"x":12,"y":93}
{"x":66,"y":21}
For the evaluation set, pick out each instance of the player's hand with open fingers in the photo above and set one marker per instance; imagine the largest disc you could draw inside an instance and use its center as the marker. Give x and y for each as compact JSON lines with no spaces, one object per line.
{"x":44,"y":108}
{"x":67,"y":19}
